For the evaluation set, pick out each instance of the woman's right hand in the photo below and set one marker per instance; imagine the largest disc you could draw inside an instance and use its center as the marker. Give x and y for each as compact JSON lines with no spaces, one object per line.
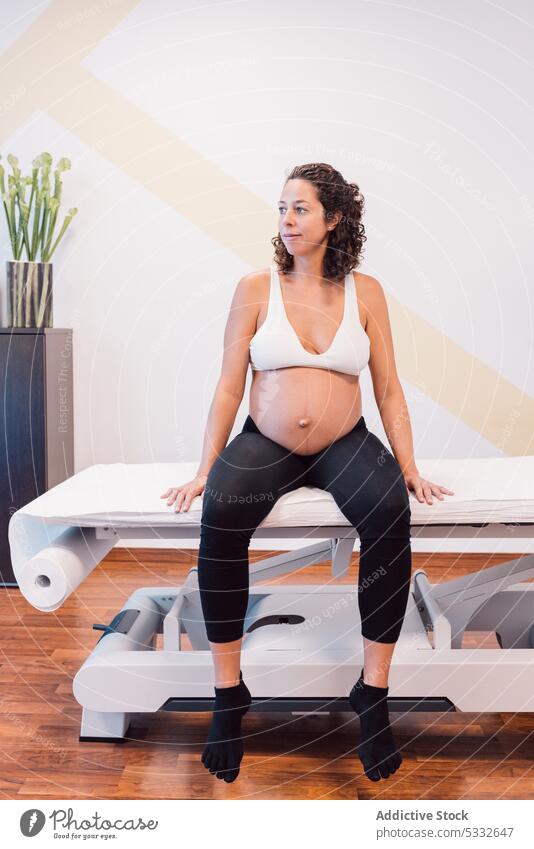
{"x":183,"y":495}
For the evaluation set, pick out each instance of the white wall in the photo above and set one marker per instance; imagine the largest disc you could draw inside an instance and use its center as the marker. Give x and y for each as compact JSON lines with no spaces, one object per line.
{"x":429,"y":107}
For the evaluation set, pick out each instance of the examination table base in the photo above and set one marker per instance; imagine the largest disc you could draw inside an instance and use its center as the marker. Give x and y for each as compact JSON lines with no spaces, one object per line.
{"x":302,"y":646}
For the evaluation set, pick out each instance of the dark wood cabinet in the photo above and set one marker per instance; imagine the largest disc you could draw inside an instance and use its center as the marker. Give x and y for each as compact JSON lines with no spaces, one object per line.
{"x":37,"y":435}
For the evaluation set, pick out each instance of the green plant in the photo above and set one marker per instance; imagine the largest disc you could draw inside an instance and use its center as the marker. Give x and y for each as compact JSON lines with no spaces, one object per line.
{"x":31,"y":223}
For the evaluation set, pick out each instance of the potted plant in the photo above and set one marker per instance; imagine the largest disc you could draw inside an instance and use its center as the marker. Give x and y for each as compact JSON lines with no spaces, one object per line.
{"x":31,"y":223}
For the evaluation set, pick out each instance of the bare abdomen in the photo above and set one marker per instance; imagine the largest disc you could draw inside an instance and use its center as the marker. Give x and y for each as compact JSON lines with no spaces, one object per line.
{"x":304,"y":409}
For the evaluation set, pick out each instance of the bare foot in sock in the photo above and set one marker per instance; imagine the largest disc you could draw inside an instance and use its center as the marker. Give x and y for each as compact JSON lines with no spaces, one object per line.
{"x":377,"y":750}
{"x":224,"y":748}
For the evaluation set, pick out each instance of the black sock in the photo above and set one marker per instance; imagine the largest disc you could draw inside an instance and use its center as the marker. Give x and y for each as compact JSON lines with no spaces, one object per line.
{"x":377,"y":750}
{"x":224,"y":748}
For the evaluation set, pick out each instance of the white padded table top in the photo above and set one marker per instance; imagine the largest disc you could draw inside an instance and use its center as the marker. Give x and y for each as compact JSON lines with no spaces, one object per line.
{"x":493,"y":489}
{"x":52,"y":552}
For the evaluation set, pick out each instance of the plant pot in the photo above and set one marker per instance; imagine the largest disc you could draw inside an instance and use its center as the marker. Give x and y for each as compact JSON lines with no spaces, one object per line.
{"x":29,"y":293}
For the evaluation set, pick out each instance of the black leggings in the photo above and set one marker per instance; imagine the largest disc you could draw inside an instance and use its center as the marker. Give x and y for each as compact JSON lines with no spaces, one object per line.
{"x":367,"y":484}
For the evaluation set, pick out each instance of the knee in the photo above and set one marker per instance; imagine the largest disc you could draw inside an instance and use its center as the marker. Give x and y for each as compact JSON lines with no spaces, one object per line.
{"x":218,"y":513}
{"x":390,"y":516}
{"x":223,"y":522}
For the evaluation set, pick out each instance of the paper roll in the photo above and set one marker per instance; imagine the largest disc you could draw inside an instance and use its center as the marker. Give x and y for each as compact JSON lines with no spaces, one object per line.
{"x":50,"y":576}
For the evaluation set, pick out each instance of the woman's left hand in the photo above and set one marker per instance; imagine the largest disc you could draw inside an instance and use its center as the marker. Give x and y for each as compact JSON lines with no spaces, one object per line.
{"x":425,"y":489}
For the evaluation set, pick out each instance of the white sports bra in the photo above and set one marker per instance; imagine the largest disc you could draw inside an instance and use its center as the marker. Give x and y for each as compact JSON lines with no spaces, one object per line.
{"x":276,"y":345}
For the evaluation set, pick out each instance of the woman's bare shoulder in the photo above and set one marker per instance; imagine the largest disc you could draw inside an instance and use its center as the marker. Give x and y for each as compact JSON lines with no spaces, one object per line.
{"x":365,"y":288}
{"x":258,"y":277}
{"x":255,"y":284}
{"x":364,"y":282}
{"x":251,"y":291}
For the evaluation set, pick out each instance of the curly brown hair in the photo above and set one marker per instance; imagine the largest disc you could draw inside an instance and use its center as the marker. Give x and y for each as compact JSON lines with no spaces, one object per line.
{"x":345,"y":242}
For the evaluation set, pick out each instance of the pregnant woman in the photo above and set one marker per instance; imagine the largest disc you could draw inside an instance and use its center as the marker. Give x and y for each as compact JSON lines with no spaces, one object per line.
{"x":308,"y":326}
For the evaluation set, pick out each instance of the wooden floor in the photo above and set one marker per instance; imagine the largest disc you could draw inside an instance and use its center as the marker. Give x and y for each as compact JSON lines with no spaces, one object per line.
{"x":446,"y":756}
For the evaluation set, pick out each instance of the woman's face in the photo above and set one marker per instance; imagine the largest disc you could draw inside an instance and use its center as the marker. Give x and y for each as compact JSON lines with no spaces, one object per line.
{"x":301,"y":223}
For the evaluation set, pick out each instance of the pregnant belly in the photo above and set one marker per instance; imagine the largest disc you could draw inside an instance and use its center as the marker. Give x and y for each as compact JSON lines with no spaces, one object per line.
{"x":304,"y":409}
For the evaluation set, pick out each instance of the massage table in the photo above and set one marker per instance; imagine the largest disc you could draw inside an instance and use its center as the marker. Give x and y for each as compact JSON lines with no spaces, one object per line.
{"x":302,"y":646}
